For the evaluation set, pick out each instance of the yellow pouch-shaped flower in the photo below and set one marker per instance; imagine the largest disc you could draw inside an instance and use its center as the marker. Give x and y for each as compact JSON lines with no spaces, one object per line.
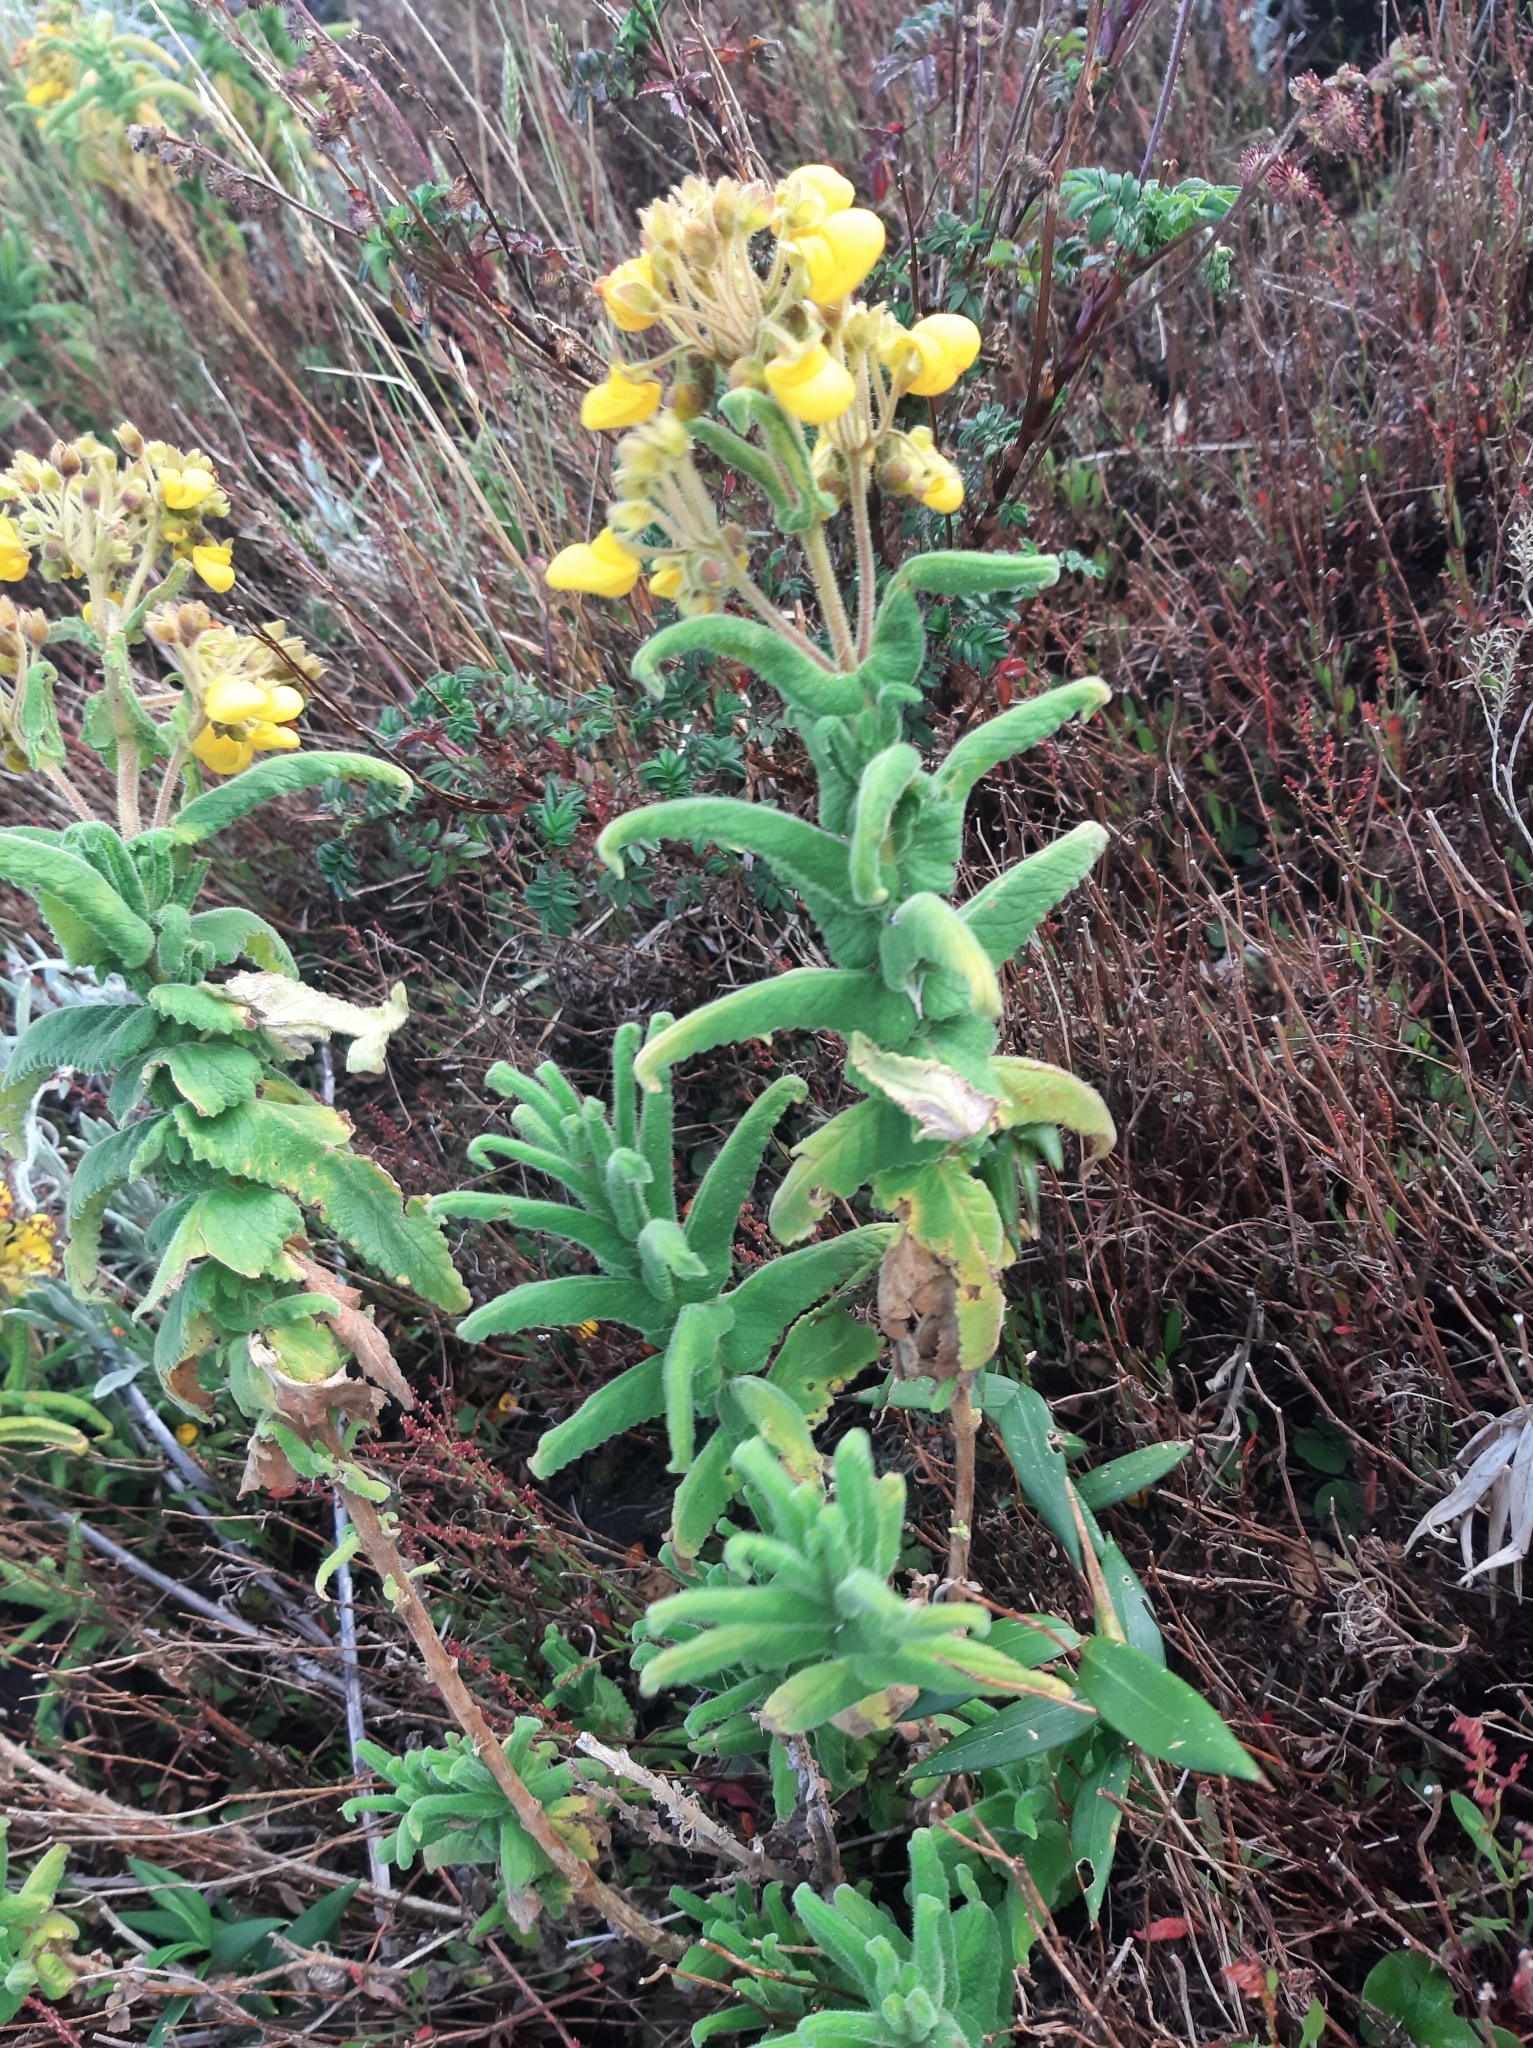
{"x":840,"y":253}
{"x":268,"y":738}
{"x":14,"y":558}
{"x":814,"y":389}
{"x":629,"y":295}
{"x":944,"y":493}
{"x":183,"y":490}
{"x":948,"y":345}
{"x":621,"y":402}
{"x":604,"y":568}
{"x":229,"y":700}
{"x":223,"y":754}
{"x":212,"y":561}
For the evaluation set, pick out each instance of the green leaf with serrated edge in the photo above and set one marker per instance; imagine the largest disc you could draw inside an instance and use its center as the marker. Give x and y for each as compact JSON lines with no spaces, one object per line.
{"x":93,"y":1038}
{"x":953,"y":1216}
{"x":839,"y":1158}
{"x":66,"y":880}
{"x":960,"y":573}
{"x":613,"y":1253}
{"x":635,"y":1396}
{"x":100,"y":1173}
{"x":812,"y":862}
{"x":200,"y":1008}
{"x":804,"y":999}
{"x":1033,"y":1092}
{"x":562,"y":1304}
{"x":691,"y":1352}
{"x":778,"y":1293}
{"x":799,"y":681}
{"x":1095,"y":1818}
{"x":300,"y":1146}
{"x":941,"y":1103}
{"x":242,"y":1226}
{"x":94,"y":841}
{"x":1023,"y":726}
{"x":715,"y":1210}
{"x":213,"y":812}
{"x":703,"y":1494}
{"x":1106,"y":1485}
{"x":1006,"y":912}
{"x":1130,"y":1602}
{"x":1159,"y":1712}
{"x":1021,"y":1418}
{"x":927,"y":952}
{"x":233,"y":934}
{"x":1027,"y":1728}
{"x":883,"y":782}
{"x":210,"y":1077}
{"x":819,"y":1356}
{"x":36,"y":718}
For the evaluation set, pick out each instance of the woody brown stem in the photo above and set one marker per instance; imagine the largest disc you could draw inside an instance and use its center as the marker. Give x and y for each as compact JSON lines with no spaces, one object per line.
{"x":960,"y":1532}
{"x":382,"y":1553}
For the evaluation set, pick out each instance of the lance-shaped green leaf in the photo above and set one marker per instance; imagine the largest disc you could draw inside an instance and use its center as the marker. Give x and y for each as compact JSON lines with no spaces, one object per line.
{"x":883,"y":782}
{"x":898,"y":648}
{"x":563,"y":1304}
{"x":953,"y":1216}
{"x":95,"y":842}
{"x":812,"y":862}
{"x":94,"y":916}
{"x":1023,"y":726}
{"x":960,"y":573}
{"x":840,"y":1157}
{"x":1095,"y":1818}
{"x":807,"y":685}
{"x":1006,"y":912}
{"x":626,"y":1176}
{"x":784,"y":438}
{"x":584,"y":1184}
{"x":691,"y":1353}
{"x":280,"y":775}
{"x":778,"y":1293}
{"x":791,"y":512}
{"x":1033,"y":1092}
{"x":634,"y":1397}
{"x":37,"y":720}
{"x":929,"y":954}
{"x":1105,"y":1485}
{"x":1159,"y":1712}
{"x":655,"y":1129}
{"x":715,"y":1211}
{"x":704,"y":1493}
{"x":805,"y":999}
{"x":612,"y":1251}
{"x":1023,"y":1421}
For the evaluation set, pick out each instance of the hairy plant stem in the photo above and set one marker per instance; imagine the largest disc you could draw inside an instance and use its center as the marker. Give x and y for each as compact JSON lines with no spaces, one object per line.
{"x":71,"y":795}
{"x":862,"y":531}
{"x":170,"y":784}
{"x":382,"y":1553}
{"x":960,"y":1531}
{"x":119,"y":686}
{"x":828,"y":590}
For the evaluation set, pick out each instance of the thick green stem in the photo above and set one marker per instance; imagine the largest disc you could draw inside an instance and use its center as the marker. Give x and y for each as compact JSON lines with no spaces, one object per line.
{"x":828,"y":590}
{"x":119,"y":686}
{"x":382,"y":1553}
{"x":170,"y":784}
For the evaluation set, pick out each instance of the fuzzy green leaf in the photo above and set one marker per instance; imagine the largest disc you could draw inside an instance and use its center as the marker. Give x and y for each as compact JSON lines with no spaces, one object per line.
{"x":800,"y":682}
{"x":840,"y":1157}
{"x":199,"y":1008}
{"x":884,"y":781}
{"x":928,"y":953}
{"x":1023,"y":726}
{"x":778,"y":1293}
{"x":210,"y":1077}
{"x":820,"y":1355}
{"x":562,"y":1304}
{"x":241,"y":1226}
{"x":634,"y":1397}
{"x":36,"y":718}
{"x":1033,"y":1092}
{"x":691,"y":1353}
{"x":805,"y":999}
{"x":1006,"y":912}
{"x":234,"y":934}
{"x":611,"y":1250}
{"x":960,"y":573}
{"x":716,"y":1207}
{"x":217,"y":809}
{"x":97,"y":917}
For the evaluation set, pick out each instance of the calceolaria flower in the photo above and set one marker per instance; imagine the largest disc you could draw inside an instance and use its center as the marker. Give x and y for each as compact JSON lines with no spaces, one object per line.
{"x":14,"y":558}
{"x":26,"y":1246}
{"x":747,"y":289}
{"x":244,"y":691}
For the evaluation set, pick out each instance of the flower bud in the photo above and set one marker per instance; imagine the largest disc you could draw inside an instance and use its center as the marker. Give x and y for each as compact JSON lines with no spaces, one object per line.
{"x":629,"y":296}
{"x":34,"y":624}
{"x":133,"y":496}
{"x":64,"y":459}
{"x":130,"y":440}
{"x":691,"y":392}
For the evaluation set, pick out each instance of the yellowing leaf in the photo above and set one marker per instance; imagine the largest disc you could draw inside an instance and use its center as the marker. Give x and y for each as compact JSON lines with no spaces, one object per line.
{"x":942,"y":1103}
{"x":1033,"y":1092}
{"x":297,"y":1016}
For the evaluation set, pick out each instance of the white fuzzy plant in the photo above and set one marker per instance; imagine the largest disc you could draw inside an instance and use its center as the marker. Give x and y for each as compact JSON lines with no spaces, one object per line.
{"x":1498,"y":1482}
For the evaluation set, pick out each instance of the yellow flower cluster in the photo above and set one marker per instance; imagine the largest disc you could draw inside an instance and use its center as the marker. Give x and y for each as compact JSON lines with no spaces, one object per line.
{"x":81,"y":513}
{"x":740,"y":312}
{"x":49,"y":68}
{"x":246,"y":691}
{"x":26,"y":1246}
